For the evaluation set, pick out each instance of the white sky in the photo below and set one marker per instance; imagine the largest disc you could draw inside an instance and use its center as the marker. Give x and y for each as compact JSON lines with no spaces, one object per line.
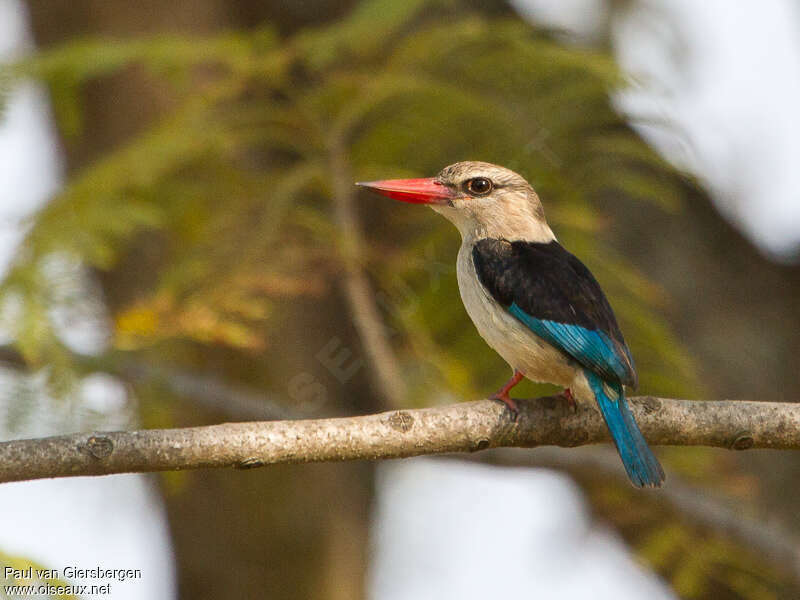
{"x":446,"y":529}
{"x":727,"y":74}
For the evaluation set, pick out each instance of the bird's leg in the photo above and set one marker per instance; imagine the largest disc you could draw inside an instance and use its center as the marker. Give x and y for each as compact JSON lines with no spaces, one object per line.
{"x":573,"y":405}
{"x":502,"y":393}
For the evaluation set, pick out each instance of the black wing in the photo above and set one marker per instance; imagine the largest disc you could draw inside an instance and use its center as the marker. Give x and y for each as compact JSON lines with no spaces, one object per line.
{"x":555,"y":295}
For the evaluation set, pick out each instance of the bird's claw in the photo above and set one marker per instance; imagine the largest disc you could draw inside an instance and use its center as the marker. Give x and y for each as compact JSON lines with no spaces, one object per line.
{"x":510,"y":404}
{"x":571,"y":403}
{"x":502,"y":394}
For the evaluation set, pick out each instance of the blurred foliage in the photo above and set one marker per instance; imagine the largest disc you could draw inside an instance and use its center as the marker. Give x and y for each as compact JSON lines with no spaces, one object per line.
{"x":235,"y":181}
{"x":697,"y":563}
{"x":5,"y":82}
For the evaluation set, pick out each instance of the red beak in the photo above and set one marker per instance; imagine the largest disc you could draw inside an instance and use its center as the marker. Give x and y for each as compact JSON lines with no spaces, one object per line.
{"x":416,"y":191}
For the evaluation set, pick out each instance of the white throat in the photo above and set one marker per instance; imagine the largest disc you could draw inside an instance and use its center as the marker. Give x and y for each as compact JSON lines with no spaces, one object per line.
{"x":515,"y":227}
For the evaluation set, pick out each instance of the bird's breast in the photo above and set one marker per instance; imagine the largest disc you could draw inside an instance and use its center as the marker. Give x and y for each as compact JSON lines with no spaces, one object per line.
{"x":518,"y":345}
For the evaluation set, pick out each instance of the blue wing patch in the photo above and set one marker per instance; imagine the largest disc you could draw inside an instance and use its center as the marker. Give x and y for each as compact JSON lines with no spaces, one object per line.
{"x":593,"y":349}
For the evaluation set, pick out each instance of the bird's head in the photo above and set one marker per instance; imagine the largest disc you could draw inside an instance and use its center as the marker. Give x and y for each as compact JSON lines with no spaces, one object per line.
{"x":481,"y":199}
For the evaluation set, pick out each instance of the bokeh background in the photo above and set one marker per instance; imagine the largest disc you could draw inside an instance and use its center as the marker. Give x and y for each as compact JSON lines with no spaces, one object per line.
{"x":181,"y":244}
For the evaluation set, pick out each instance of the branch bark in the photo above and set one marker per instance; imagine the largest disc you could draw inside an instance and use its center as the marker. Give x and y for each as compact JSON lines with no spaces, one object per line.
{"x":464,"y":427}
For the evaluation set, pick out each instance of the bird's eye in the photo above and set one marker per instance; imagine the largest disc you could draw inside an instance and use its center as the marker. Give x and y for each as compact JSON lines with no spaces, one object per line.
{"x":479,"y":186}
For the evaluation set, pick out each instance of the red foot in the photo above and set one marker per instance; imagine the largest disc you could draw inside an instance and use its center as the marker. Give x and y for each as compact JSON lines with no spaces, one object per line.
{"x":502,"y":394}
{"x":573,"y":405}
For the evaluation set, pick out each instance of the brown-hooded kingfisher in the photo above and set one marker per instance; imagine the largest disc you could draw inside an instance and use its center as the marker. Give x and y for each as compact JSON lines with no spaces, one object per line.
{"x":532,"y":301}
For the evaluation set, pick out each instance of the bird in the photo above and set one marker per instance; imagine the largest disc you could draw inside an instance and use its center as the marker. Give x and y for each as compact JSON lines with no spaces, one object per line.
{"x":536,"y":304}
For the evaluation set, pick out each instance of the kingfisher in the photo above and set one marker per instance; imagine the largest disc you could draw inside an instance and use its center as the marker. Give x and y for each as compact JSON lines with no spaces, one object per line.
{"x":532,"y":301}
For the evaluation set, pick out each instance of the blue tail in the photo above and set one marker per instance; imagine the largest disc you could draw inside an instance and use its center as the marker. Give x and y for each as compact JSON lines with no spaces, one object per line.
{"x":642,"y":466}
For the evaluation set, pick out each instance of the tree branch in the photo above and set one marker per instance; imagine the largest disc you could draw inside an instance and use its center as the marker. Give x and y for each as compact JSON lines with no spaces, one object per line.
{"x":464,"y":427}
{"x":204,"y":390}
